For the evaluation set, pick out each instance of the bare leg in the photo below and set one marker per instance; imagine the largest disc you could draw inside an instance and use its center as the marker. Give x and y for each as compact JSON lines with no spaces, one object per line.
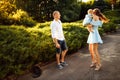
{"x":58,"y":58}
{"x":98,"y":65}
{"x":97,"y":54}
{"x":63,"y":55}
{"x":91,"y":49}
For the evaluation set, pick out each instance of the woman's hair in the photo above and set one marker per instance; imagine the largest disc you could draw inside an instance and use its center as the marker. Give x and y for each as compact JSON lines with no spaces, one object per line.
{"x":102,"y":17}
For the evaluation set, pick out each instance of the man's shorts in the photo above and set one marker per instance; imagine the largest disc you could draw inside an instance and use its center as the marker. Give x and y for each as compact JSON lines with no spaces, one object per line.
{"x":63,"y":46}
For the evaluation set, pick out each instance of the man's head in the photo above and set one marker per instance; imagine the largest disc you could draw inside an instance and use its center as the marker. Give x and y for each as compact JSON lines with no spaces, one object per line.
{"x":56,"y":15}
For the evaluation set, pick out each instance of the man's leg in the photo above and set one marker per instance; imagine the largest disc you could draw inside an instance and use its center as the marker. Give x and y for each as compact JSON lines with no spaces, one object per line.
{"x":59,"y":66}
{"x":63,"y":55}
{"x":65,"y":49}
{"x":58,"y":58}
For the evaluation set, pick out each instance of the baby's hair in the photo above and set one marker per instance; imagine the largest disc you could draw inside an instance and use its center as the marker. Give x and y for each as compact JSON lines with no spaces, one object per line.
{"x":55,"y":12}
{"x":89,"y":10}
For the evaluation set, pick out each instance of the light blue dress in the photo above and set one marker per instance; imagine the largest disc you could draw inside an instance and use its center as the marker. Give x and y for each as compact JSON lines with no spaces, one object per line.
{"x":94,"y":37}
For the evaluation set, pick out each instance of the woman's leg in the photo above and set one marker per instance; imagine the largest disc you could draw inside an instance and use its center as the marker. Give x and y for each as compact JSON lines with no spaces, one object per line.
{"x":98,"y":64}
{"x":92,"y":52}
{"x":97,"y":53}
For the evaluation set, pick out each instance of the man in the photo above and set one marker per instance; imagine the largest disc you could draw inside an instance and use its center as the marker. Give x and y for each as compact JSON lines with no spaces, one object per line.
{"x":59,"y":40}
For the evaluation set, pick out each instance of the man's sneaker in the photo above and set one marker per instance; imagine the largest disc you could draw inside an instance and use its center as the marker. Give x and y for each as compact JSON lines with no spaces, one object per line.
{"x":59,"y":66}
{"x":64,"y":64}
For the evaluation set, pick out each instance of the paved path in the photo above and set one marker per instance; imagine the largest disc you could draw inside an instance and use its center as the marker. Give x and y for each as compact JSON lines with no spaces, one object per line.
{"x":79,"y":62}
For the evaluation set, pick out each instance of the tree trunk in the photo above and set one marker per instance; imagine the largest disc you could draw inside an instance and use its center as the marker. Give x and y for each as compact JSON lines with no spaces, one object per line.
{"x":112,"y":7}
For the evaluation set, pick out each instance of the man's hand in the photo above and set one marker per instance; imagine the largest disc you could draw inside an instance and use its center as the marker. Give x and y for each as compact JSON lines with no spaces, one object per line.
{"x":57,"y":45}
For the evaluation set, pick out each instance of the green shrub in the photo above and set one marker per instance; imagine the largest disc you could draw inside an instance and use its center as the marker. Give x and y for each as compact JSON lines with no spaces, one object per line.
{"x":110,"y":27}
{"x":112,"y":13}
{"x":6,"y":8}
{"x":10,"y":15}
{"x":21,"y":17}
{"x":75,"y":35}
{"x":114,"y":20}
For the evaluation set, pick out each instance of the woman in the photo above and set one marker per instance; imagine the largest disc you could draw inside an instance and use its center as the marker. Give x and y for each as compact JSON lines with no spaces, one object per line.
{"x":94,"y":37}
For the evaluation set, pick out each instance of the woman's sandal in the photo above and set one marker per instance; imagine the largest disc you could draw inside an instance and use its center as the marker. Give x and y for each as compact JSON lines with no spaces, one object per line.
{"x":98,"y":67}
{"x":92,"y":65}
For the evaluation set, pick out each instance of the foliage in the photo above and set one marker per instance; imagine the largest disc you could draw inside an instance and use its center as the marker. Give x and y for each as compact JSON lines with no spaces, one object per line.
{"x":84,"y":8}
{"x":6,"y":8}
{"x":100,"y":4}
{"x":109,"y":3}
{"x":9,"y":14}
{"x":110,"y":27}
{"x":42,"y":10}
{"x":21,"y":48}
{"x":114,"y":20}
{"x":21,"y":17}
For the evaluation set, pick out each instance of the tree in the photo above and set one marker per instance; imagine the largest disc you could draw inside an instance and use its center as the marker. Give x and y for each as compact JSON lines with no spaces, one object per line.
{"x":113,"y":2}
{"x":42,"y":10}
{"x":39,"y":9}
{"x":6,"y":8}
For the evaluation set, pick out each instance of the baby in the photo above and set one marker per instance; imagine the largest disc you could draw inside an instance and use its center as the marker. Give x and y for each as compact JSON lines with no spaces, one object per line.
{"x":87,"y":20}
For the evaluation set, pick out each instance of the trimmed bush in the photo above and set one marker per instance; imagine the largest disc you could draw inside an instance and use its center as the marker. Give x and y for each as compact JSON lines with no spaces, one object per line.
{"x":114,"y":20}
{"x":21,"y":17}
{"x":110,"y":27}
{"x":9,"y":14}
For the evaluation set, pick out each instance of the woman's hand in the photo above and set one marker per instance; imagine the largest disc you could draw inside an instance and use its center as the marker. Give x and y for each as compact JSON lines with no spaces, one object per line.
{"x":90,"y":28}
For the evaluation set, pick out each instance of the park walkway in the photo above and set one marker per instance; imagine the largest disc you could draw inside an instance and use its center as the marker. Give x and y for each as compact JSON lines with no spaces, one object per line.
{"x":79,"y":62}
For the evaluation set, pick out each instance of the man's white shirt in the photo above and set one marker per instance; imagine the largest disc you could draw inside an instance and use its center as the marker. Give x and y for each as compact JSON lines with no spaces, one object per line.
{"x":56,"y":30}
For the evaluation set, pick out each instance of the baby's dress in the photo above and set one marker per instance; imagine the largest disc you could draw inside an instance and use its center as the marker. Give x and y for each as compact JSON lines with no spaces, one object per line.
{"x":94,"y":37}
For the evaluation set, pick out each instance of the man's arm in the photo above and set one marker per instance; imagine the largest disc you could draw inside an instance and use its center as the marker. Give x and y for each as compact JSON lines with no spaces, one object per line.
{"x":54,"y":35}
{"x":56,"y":42}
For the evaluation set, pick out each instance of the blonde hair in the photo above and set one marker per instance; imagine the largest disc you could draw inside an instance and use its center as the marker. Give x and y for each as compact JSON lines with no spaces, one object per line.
{"x":89,"y":11}
{"x":55,"y":12}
